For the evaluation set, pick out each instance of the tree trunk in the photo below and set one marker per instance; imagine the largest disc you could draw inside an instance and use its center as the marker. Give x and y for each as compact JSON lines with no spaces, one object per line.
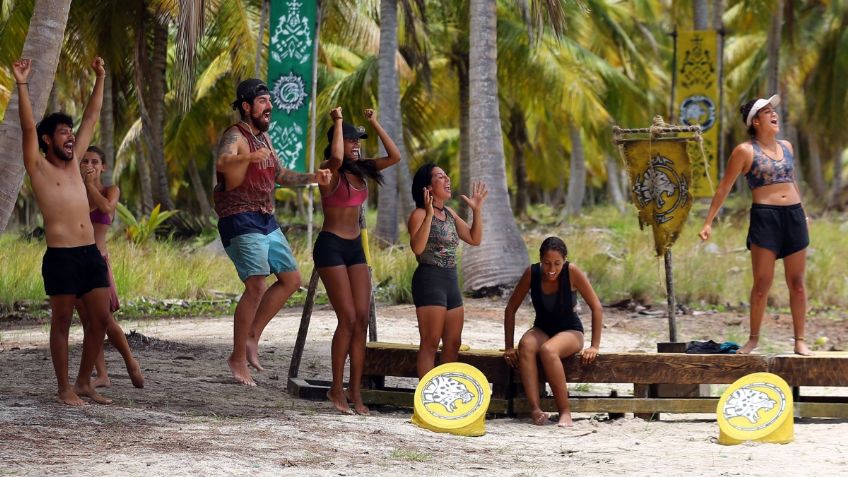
{"x":143,"y":166}
{"x":791,"y":135}
{"x":836,"y":192}
{"x":773,"y":61}
{"x":389,"y":98}
{"x":816,"y":173}
{"x":577,"y":173}
{"x":43,"y":41}
{"x":53,"y":101}
{"x":502,"y":256}
{"x":616,"y":196}
{"x":107,"y":129}
{"x":260,"y":37}
{"x":199,"y":190}
{"x":156,"y":104}
{"x":518,"y":138}
{"x":461,"y":68}
{"x":701,"y":14}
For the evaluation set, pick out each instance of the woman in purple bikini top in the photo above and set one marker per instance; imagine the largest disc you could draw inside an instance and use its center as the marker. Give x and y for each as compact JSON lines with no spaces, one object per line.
{"x":99,"y":217}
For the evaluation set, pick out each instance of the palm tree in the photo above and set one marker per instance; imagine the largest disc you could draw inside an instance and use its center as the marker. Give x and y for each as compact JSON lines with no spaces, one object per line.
{"x":44,"y":43}
{"x":390,"y":117}
{"x":502,"y":257}
{"x":827,"y":105}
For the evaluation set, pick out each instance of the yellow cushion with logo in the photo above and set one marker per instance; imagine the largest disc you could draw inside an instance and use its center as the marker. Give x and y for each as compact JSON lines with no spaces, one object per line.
{"x":757,"y":407}
{"x":454,"y":398}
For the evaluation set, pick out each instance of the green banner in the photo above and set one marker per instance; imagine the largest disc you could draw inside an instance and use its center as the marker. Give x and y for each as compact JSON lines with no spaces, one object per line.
{"x":290,"y":58}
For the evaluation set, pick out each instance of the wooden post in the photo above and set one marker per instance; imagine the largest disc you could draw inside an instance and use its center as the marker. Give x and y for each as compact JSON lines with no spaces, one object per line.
{"x":669,"y":287}
{"x":304,"y":325}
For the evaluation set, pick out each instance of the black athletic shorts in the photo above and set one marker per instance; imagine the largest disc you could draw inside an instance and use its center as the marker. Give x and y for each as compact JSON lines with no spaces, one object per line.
{"x":330,"y":250}
{"x":435,"y":286}
{"x":779,"y":228}
{"x":74,"y":270}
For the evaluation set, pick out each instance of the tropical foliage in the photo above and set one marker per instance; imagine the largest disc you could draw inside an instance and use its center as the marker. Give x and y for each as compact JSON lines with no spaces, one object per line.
{"x":567,"y":70}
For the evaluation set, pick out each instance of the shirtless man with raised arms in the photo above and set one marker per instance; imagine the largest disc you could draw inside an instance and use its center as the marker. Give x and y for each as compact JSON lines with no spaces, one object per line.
{"x":73,"y":267}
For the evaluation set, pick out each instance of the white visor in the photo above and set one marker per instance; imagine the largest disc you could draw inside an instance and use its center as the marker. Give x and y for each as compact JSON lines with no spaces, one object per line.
{"x":760,"y":104}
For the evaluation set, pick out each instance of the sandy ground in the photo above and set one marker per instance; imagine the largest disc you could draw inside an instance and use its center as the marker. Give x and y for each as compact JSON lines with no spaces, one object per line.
{"x":191,"y":419}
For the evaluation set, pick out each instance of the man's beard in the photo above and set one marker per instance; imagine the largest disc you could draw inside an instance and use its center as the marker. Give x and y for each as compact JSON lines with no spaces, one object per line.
{"x":59,"y":151}
{"x":259,"y":121}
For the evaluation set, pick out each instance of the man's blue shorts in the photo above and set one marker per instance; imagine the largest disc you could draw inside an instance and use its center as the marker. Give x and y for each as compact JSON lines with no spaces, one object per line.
{"x":253,"y":248}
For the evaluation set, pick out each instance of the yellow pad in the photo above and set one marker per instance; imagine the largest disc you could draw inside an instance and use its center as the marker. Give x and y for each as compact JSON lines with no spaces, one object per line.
{"x":365,"y":247}
{"x":454,"y":398}
{"x":757,"y":407}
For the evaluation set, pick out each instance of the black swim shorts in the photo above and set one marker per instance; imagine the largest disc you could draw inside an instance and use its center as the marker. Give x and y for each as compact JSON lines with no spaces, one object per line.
{"x":330,"y":250}
{"x":435,"y":286}
{"x":74,"y":270}
{"x":779,"y":228}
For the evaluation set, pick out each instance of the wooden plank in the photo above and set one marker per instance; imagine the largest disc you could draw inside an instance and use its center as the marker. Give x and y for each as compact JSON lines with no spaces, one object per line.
{"x":308,"y":389}
{"x":652,"y":406}
{"x":392,"y":359}
{"x":667,"y":368}
{"x":662,"y":368}
{"x":821,"y":409}
{"x":822,"y":369}
{"x":632,"y":405}
{"x":405,"y":399}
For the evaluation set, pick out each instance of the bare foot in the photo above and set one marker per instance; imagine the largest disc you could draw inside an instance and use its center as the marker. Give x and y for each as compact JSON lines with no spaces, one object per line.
{"x":565,"y":419}
{"x":339,"y":401}
{"x":134,"y":370}
{"x":751,"y":345}
{"x":361,"y":408}
{"x":240,"y":372}
{"x":253,"y":354}
{"x":101,"y":381}
{"x":69,"y":397}
{"x":802,"y":349}
{"x":358,"y":405}
{"x":539,"y":417}
{"x":89,"y":392}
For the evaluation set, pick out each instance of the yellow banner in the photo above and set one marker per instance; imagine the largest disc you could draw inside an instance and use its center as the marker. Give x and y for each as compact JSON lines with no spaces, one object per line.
{"x":660,"y":173}
{"x":696,"y":101}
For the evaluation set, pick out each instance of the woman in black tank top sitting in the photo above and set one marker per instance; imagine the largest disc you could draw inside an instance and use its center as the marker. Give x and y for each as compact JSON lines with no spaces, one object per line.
{"x":557,"y":332}
{"x":778,"y":225}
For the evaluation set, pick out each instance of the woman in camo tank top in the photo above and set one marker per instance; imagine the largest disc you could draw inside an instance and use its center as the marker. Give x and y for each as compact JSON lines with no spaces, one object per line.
{"x":434,"y":233}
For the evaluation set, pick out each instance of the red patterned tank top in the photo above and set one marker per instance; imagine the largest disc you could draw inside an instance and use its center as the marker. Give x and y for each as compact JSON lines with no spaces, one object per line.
{"x":256,"y":192}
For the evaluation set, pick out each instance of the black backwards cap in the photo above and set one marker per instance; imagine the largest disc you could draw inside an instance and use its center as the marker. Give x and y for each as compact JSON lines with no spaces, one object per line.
{"x":248,"y":90}
{"x":349,"y":131}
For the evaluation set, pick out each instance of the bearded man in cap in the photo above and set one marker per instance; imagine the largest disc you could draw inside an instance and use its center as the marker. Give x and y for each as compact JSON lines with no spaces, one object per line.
{"x":247,"y":169}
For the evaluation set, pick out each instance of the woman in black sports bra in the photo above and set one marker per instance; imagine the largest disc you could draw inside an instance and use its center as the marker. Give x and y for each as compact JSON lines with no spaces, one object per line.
{"x":778,"y":226}
{"x":557,"y":332}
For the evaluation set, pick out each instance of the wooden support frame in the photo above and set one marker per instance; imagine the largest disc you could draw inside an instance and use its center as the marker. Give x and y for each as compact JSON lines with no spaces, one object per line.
{"x":643,"y":370}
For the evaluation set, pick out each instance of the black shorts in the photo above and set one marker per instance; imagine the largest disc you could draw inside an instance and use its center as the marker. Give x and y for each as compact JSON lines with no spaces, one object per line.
{"x":435,"y":286}
{"x":74,"y":270}
{"x":552,"y":329}
{"x":779,"y":228}
{"x":330,"y":250}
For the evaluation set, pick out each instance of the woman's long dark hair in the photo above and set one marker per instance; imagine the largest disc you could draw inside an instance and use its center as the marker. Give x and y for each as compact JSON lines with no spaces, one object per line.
{"x":423,"y":177}
{"x":362,"y":168}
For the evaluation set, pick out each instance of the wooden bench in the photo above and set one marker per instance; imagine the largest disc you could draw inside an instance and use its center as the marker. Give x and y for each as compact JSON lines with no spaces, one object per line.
{"x":640,"y":369}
